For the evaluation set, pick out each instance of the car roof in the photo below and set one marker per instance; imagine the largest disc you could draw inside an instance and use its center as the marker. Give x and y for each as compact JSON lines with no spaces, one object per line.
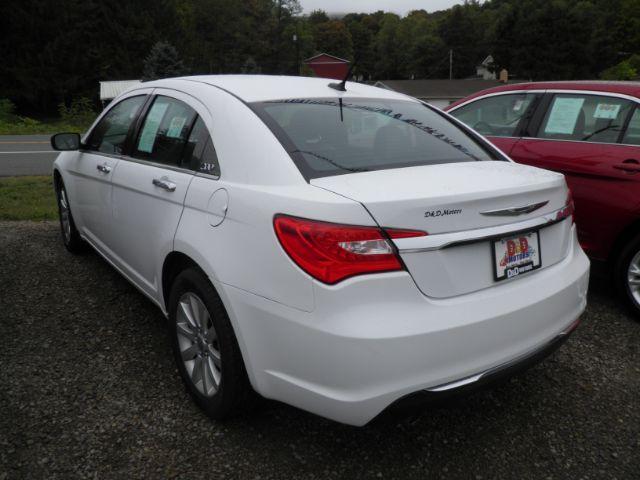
{"x":259,"y":88}
{"x":624,"y":88}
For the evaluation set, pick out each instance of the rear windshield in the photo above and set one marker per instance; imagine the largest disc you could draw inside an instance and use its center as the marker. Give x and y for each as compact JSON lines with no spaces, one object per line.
{"x":331,"y":137}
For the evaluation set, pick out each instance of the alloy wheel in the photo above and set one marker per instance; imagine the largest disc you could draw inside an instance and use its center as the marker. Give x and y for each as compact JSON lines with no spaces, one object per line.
{"x":65,"y":219}
{"x":198,"y":343}
{"x":633,"y":277}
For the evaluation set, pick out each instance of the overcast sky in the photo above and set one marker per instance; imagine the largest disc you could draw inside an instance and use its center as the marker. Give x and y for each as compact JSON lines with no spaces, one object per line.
{"x":401,"y":7}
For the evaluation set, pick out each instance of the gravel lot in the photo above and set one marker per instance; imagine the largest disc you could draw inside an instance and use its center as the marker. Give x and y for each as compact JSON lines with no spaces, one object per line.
{"x":88,"y":389}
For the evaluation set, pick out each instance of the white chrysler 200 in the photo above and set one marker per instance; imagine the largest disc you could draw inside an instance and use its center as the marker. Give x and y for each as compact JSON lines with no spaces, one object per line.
{"x":337,"y":247}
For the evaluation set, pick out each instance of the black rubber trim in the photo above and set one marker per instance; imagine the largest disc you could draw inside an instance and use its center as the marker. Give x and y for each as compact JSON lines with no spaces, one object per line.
{"x":625,"y":126}
{"x":533,"y":127}
{"x":523,"y":125}
{"x":415,"y":402}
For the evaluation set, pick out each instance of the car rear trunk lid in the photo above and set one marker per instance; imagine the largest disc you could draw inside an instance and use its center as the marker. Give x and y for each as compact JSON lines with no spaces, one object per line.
{"x":463,"y":207}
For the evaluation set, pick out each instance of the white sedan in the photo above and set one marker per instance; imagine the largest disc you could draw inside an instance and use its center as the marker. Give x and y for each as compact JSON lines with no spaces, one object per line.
{"x":337,"y":249}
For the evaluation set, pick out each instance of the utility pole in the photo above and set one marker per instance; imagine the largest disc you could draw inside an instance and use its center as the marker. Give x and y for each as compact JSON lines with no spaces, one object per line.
{"x":296,"y":40}
{"x":276,"y":38}
{"x":451,"y":64}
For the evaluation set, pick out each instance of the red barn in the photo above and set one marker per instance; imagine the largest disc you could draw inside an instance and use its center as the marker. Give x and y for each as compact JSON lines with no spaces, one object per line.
{"x":328,"y":66}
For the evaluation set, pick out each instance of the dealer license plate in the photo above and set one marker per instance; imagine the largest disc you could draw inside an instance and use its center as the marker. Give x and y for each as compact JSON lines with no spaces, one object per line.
{"x":516,"y":255}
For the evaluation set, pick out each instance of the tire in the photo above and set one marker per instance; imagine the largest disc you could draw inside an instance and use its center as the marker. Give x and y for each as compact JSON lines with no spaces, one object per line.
{"x":70,"y":235}
{"x":627,"y":275}
{"x":207,"y":351}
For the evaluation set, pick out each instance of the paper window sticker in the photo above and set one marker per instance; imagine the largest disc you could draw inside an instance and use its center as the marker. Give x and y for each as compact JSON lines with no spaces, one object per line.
{"x":517,"y":106}
{"x":607,"y":111}
{"x":564,"y":116}
{"x":151,"y":125}
{"x":175,"y":127}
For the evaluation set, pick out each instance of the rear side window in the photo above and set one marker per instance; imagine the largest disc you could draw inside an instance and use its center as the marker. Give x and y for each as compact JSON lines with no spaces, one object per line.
{"x":200,"y":155}
{"x":110,"y":133}
{"x":632,"y":135}
{"x":498,"y":116}
{"x":163,"y":135}
{"x":585,"y":118}
{"x":331,"y":137}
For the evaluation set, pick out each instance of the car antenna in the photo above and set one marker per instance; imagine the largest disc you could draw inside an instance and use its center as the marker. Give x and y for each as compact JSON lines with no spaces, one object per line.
{"x":342,"y":86}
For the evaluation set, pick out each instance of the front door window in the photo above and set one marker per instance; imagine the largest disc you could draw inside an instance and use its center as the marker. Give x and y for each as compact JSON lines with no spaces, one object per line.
{"x":111,"y":132}
{"x":498,"y":116}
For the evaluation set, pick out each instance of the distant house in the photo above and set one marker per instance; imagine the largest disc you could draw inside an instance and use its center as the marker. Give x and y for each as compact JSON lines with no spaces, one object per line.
{"x":484,"y":70}
{"x":111,"y":89}
{"x":328,"y":66}
{"x":438,"y":93}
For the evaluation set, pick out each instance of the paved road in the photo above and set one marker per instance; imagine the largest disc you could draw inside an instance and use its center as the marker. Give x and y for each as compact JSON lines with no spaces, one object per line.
{"x":26,"y":155}
{"x":88,"y":389}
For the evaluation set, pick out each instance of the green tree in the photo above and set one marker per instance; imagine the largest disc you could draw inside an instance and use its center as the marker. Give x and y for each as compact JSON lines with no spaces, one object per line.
{"x":63,"y":53}
{"x":387,"y":50}
{"x":546,"y":39}
{"x":424,"y":54}
{"x":163,"y":61}
{"x":463,"y":30}
{"x":333,"y":37}
{"x":362,"y":39}
{"x":317,"y":17}
{"x":54,"y":51}
{"x":283,"y":51}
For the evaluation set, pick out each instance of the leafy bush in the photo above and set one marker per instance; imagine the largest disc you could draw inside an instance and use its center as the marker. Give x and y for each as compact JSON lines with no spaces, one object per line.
{"x":29,"y":126}
{"x":20,"y":126}
{"x":30,"y":123}
{"x":7,"y":110}
{"x":75,"y":118}
{"x":621,"y":71}
{"x":626,"y":70}
{"x":79,"y":113}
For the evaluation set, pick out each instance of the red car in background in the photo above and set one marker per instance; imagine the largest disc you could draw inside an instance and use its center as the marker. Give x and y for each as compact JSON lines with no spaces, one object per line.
{"x":590,"y":132}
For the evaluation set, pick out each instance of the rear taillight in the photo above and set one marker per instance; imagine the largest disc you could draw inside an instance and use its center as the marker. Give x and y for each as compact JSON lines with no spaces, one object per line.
{"x":331,"y":252}
{"x":568,"y":209}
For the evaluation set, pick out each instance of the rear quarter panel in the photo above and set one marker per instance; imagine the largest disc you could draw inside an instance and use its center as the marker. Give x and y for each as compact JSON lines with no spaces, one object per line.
{"x":260,"y":180}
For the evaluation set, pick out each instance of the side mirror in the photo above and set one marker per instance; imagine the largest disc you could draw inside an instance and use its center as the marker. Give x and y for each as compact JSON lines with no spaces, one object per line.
{"x":65,"y":141}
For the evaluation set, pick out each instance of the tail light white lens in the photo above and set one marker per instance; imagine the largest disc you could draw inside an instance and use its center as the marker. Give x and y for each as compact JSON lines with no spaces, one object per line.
{"x":367,"y":247}
{"x":332,"y":252}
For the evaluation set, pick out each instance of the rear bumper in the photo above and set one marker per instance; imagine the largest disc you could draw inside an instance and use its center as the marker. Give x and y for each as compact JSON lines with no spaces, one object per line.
{"x":371,"y":341}
{"x":484,"y":379}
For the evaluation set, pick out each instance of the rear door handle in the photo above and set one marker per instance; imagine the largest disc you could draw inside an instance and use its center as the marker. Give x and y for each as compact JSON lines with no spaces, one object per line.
{"x":630,"y":165}
{"x":104,"y":168}
{"x":165,"y":184}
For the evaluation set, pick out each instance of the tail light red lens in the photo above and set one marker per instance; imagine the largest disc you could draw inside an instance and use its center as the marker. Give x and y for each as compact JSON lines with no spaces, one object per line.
{"x":568,"y":209}
{"x":332,"y":252}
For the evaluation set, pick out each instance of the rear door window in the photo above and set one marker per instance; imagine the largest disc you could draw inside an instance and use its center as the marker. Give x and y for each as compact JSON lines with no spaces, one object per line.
{"x":632,"y":135}
{"x":163,"y":135}
{"x":498,"y":115}
{"x":585,"y":118}
{"x":200,"y":154}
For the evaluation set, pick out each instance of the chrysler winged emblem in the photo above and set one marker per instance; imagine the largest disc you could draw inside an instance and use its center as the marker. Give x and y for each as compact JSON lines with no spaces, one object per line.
{"x":514,"y":211}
